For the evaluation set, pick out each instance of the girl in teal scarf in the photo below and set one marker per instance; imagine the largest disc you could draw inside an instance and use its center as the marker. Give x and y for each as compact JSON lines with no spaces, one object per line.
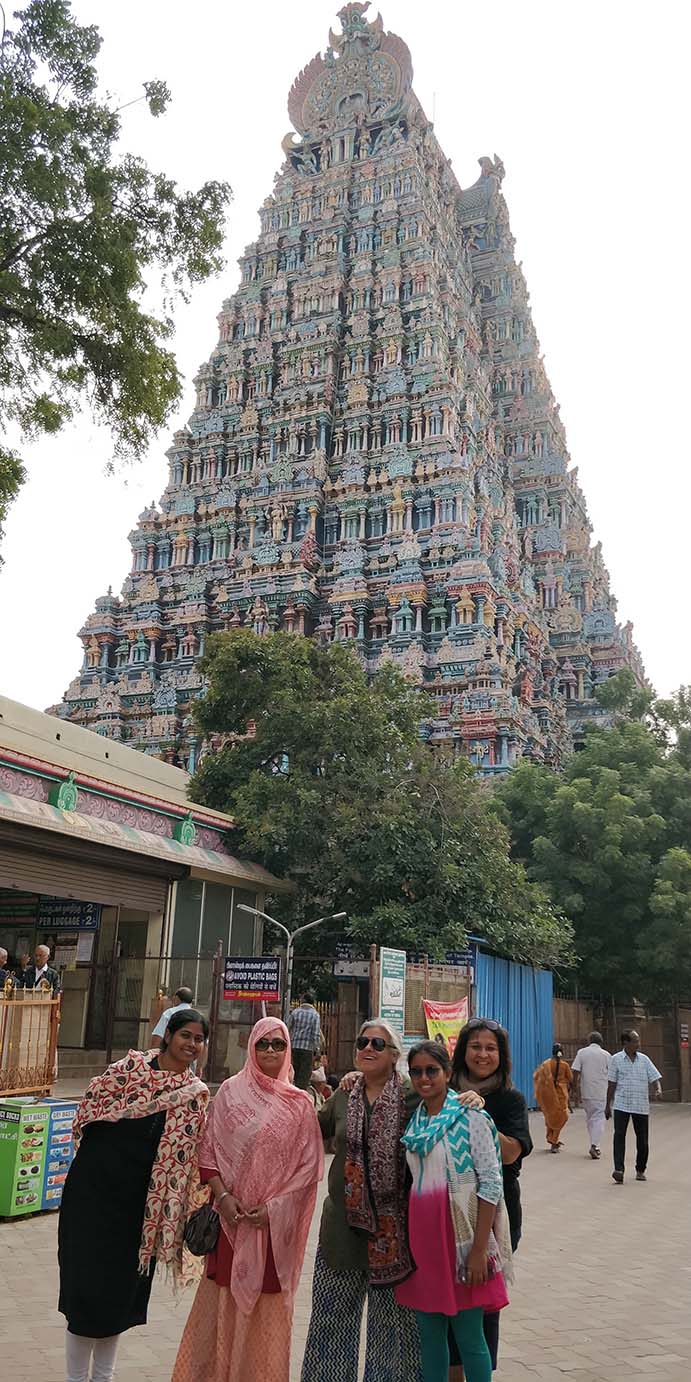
{"x":458,"y":1227}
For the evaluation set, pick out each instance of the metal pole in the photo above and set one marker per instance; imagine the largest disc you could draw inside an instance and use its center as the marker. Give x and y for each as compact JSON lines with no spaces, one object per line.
{"x":290,"y":944}
{"x":216,"y":972}
{"x":288,"y":986}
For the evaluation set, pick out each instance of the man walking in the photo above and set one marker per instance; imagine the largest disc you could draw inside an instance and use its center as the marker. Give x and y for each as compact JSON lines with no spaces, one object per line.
{"x":305,"y":1038}
{"x":630,"y":1076}
{"x":589,"y":1069}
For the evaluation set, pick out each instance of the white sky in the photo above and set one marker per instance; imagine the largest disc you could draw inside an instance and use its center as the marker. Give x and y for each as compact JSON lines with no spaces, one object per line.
{"x":585,"y":104}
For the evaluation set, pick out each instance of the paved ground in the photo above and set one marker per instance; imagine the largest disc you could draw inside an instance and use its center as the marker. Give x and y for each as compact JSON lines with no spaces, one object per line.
{"x":603,"y":1286}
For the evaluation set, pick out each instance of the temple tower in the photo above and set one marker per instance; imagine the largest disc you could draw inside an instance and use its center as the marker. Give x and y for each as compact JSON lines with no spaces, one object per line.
{"x":375,"y":454}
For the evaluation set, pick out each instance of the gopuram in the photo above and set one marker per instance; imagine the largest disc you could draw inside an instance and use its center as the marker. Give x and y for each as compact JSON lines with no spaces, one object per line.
{"x":375,"y":454}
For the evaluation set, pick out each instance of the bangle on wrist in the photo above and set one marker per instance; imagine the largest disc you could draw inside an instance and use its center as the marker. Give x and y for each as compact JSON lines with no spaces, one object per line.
{"x":222,"y":1197}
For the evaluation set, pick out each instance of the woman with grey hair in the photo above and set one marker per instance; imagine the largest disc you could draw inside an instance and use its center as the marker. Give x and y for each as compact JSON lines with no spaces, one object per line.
{"x":363,"y":1239}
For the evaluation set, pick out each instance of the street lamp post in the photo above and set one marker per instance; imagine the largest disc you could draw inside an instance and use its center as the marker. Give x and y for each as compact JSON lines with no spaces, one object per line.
{"x":291,"y":937}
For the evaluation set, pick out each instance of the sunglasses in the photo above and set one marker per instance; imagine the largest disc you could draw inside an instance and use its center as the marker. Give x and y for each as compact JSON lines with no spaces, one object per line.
{"x":487,"y":1022}
{"x":271,"y":1044}
{"x":418,"y":1072}
{"x":377,"y":1043}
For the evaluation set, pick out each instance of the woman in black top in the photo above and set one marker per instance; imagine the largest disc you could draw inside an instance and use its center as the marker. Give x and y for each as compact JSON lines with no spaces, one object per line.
{"x":482,"y":1062}
{"x":127,"y":1193}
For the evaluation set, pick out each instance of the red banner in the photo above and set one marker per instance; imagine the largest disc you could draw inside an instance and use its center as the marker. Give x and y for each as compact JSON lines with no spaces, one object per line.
{"x":444,"y":1020}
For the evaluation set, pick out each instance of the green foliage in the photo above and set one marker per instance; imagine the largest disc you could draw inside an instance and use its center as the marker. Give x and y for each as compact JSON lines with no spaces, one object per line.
{"x":12,"y":477}
{"x":331,"y":787}
{"x":608,"y":841}
{"x":622,"y":695}
{"x":81,"y":234}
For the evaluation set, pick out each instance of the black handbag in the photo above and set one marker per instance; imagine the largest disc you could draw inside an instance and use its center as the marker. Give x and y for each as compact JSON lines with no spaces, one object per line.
{"x":202,"y":1230}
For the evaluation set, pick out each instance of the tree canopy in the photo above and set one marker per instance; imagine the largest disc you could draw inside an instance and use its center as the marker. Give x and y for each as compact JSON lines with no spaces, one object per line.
{"x":331,"y":787}
{"x":610,"y":840}
{"x":82,"y":233}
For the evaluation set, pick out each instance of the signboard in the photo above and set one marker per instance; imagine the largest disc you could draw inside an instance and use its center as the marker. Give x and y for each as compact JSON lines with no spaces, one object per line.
{"x":351,"y":969}
{"x":444,"y":1020}
{"x":18,"y":906}
{"x":61,"y":914}
{"x":392,"y":987}
{"x":344,"y":950}
{"x":252,"y":979}
{"x":408,"y":1041}
{"x":462,"y":958}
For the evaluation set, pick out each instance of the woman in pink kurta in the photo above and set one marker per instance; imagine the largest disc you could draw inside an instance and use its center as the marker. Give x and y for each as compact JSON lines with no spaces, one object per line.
{"x":262,"y":1156}
{"x":457,"y":1227}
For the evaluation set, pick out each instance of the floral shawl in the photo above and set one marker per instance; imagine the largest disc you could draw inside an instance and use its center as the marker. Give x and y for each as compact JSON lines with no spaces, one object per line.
{"x":469,"y":1144}
{"x":376,"y":1200}
{"x":263,"y":1140}
{"x":131,"y":1089}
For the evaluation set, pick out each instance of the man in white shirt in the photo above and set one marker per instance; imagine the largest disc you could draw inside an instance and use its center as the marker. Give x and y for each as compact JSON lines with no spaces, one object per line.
{"x":629,"y":1078}
{"x":185,"y":999}
{"x":40,"y":972}
{"x":590,"y":1079}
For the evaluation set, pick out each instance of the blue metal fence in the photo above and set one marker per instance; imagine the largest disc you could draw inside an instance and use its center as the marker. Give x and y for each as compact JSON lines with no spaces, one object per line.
{"x":520,"y":998}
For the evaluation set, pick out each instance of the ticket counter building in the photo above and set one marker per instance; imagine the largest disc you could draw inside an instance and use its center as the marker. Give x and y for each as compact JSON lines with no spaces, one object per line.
{"x":104,"y":859}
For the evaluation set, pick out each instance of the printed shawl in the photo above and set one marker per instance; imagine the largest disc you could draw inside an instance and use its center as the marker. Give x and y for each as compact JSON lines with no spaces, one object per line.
{"x":376,"y":1200}
{"x":131,"y":1089}
{"x":470,"y":1146}
{"x":264,"y":1142}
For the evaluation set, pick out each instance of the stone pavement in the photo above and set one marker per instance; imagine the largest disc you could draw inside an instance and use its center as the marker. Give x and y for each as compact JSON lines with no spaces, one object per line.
{"x":603,"y":1289}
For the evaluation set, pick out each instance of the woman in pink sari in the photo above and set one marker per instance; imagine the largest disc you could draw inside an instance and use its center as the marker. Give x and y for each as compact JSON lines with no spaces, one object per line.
{"x":262,"y":1156}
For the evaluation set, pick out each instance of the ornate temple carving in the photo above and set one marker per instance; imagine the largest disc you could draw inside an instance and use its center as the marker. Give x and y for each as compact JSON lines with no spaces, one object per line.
{"x":375,"y":454}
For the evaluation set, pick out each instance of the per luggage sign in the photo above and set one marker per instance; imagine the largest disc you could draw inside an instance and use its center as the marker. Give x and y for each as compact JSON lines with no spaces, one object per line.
{"x":252,"y":979}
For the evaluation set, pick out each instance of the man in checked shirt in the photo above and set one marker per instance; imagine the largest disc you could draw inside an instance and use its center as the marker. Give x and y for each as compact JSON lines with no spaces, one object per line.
{"x":630,"y":1076}
{"x":305,"y":1038}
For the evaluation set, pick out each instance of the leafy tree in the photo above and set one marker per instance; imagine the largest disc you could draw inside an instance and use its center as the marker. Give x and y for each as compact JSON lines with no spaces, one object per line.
{"x":81,"y":232}
{"x":622,"y":695}
{"x":665,"y":949}
{"x":608,"y":840}
{"x":330,"y":786}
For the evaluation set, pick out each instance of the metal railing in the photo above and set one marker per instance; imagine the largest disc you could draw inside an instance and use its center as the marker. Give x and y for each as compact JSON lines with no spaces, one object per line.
{"x":29,"y":1020}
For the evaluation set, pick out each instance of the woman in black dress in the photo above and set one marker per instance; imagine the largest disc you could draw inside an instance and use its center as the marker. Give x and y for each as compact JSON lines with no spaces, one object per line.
{"x":482,"y":1062}
{"x":128,"y":1191}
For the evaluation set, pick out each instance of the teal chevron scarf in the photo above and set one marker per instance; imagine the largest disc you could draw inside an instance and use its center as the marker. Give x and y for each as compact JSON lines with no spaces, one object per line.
{"x":468,"y":1142}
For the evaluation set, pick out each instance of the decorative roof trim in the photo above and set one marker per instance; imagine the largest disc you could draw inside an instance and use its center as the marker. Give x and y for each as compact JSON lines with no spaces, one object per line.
{"x":38,"y":767}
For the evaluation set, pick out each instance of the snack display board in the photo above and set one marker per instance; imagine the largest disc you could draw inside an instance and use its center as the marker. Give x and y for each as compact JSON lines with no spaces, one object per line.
{"x":59,"y":1150}
{"x":35,"y":1153}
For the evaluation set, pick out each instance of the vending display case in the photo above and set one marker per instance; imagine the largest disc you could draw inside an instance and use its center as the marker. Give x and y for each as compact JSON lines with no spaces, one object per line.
{"x":36,"y":1149}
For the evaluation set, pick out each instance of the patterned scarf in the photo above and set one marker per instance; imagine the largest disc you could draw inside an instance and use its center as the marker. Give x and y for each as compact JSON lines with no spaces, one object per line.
{"x":376,"y":1200}
{"x":131,"y":1089}
{"x":450,"y":1130}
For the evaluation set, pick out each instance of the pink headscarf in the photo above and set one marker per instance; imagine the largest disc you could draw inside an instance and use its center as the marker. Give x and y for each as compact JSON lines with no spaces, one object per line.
{"x":263,"y":1138}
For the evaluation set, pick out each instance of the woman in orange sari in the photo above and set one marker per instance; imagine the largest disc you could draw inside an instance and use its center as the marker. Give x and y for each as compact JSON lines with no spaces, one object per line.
{"x":262,"y":1156}
{"x":552,"y":1081}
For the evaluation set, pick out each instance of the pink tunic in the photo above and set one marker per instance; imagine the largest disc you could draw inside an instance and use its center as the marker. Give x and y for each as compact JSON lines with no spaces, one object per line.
{"x":433,"y":1287}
